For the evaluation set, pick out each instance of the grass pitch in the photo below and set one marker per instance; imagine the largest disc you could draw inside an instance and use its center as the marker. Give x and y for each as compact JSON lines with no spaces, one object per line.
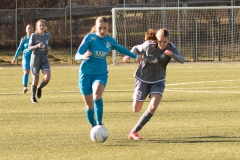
{"x":198,"y":118}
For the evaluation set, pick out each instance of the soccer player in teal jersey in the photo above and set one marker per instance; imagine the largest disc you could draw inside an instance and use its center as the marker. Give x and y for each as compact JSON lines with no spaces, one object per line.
{"x":40,"y":45}
{"x":93,"y":73}
{"x":150,"y":74}
{"x":23,"y":46}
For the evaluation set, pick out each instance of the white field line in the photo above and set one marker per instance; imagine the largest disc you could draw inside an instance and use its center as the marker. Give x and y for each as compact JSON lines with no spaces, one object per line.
{"x":168,"y":90}
{"x":194,"y":91}
{"x":175,"y":84}
{"x":208,"y":88}
{"x":202,"y":82}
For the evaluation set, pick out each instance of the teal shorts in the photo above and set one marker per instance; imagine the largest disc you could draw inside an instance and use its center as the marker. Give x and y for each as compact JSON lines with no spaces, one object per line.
{"x":26,"y":62}
{"x":86,"y":82}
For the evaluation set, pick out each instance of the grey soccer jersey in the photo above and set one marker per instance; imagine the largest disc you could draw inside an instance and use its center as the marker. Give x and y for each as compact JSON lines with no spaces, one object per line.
{"x":39,"y":58}
{"x":154,"y":68}
{"x":35,"y":39}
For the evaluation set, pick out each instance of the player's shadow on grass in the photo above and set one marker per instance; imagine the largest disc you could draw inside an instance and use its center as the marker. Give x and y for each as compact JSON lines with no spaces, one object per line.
{"x":146,"y":101}
{"x":177,"y":100}
{"x":119,"y":101}
{"x":205,"y":139}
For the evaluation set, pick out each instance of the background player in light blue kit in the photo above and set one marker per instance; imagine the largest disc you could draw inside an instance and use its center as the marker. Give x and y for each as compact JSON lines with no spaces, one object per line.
{"x":23,"y":46}
{"x":93,"y":73}
{"x":150,"y":74}
{"x":40,"y":45}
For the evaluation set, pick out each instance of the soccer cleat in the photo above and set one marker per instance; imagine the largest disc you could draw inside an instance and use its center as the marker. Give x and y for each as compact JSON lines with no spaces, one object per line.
{"x":39,"y":93}
{"x":34,"y":100}
{"x":25,"y":89}
{"x":134,"y":136}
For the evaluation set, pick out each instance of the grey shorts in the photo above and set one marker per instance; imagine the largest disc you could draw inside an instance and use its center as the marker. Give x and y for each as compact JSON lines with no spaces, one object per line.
{"x":142,"y":89}
{"x":39,"y":61}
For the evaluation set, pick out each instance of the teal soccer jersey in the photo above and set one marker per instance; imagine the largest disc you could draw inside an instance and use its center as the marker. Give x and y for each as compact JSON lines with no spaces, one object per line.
{"x":99,"y":47}
{"x":23,"y":46}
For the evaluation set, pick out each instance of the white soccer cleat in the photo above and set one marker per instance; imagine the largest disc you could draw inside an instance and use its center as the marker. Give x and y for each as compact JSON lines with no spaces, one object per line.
{"x":25,"y":89}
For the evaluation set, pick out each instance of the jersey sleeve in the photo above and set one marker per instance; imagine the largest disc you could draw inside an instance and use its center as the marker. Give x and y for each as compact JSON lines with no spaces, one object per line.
{"x":20,"y":48}
{"x":176,"y":54}
{"x":138,"y":49}
{"x":121,"y":49}
{"x":78,"y":56}
{"x":49,"y":43}
{"x":31,"y":46}
{"x":82,"y":48}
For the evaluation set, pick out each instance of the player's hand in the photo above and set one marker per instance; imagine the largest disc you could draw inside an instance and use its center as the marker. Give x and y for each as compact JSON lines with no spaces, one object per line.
{"x":168,"y":53}
{"x":13,"y":61}
{"x":140,"y":58}
{"x":87,"y":55}
{"x":48,"y":48}
{"x":40,"y":45}
{"x":125,"y":58}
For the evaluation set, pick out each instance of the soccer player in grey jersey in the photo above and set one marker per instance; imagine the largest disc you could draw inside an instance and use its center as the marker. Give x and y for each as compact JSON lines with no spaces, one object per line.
{"x":39,"y":44}
{"x":150,"y":74}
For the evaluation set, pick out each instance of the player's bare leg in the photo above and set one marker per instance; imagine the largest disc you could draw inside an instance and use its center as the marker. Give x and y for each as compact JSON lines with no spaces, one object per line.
{"x":146,"y":116}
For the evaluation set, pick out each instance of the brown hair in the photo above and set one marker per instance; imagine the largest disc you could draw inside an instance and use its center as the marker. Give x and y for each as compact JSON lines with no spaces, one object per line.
{"x":41,"y":20}
{"x":93,"y":29}
{"x":30,"y":26}
{"x":100,"y":19}
{"x":163,"y":33}
{"x":150,"y":35}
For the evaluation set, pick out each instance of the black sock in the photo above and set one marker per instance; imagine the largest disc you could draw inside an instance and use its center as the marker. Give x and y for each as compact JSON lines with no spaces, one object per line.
{"x":34,"y":89}
{"x":42,"y":84}
{"x":146,"y":116}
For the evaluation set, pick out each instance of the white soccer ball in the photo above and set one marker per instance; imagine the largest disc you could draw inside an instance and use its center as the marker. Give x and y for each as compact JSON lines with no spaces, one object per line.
{"x":99,"y":134}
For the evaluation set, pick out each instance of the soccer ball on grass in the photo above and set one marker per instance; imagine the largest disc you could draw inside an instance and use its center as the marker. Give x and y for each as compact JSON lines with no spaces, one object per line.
{"x":99,"y":134}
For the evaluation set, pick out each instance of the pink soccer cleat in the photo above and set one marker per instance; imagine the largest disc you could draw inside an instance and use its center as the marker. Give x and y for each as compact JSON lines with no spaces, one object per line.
{"x":134,"y":136}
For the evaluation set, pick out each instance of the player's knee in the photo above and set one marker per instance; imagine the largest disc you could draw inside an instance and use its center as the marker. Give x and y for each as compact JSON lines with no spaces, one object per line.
{"x":137,"y":106}
{"x":152,"y":109}
{"x":136,"y":110}
{"x":46,"y":80}
{"x":97,"y":96}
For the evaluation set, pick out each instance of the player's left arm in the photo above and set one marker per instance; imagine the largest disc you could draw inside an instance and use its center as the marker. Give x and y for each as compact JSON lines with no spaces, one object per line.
{"x":121,"y":49}
{"x":48,"y":47}
{"x":136,"y":50}
{"x":174,"y":53}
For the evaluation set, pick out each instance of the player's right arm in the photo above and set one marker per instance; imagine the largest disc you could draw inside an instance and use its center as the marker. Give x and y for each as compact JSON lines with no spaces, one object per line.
{"x":19,"y":49}
{"x":31,"y":46}
{"x":138,"y":50}
{"x":83,"y":53}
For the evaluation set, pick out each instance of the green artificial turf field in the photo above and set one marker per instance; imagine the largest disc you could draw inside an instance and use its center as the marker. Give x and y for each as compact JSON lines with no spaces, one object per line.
{"x":198,"y":118}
